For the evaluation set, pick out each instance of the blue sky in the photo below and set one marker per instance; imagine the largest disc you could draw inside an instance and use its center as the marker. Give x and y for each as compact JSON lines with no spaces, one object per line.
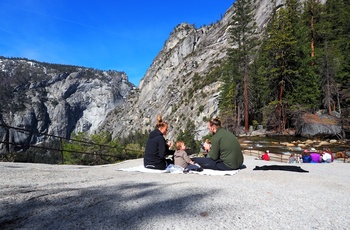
{"x":106,"y":35}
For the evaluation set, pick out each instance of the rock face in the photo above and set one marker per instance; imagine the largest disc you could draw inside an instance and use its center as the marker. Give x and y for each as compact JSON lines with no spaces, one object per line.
{"x":168,"y":87}
{"x":179,"y":84}
{"x":49,"y":100}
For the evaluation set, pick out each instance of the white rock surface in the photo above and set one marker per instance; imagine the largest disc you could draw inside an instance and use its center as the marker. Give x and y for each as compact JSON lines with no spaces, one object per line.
{"x":38,"y":196}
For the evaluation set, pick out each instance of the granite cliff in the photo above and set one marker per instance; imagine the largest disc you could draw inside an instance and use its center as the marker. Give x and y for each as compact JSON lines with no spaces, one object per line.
{"x":56,"y":99}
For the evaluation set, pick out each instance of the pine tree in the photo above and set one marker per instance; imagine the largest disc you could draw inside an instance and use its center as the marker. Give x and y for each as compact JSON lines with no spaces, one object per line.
{"x":336,"y":20}
{"x":282,"y":68}
{"x":306,"y":91}
{"x":227,"y":98}
{"x":331,"y":59}
{"x":243,"y":33}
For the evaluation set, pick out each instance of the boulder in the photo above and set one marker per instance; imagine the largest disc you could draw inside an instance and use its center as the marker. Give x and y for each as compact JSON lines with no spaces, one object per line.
{"x":314,"y":125}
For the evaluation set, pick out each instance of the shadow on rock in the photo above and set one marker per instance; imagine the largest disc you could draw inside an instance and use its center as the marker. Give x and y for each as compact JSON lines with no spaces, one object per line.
{"x":128,"y":205}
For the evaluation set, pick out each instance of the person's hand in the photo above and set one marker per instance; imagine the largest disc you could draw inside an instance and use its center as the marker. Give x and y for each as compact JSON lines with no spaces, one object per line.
{"x":169,"y":144}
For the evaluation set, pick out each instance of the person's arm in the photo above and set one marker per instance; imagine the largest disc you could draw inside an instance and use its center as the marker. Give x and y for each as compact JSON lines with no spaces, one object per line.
{"x":162,"y":146}
{"x":169,"y":151}
{"x":215,"y":149}
{"x":187,"y":158}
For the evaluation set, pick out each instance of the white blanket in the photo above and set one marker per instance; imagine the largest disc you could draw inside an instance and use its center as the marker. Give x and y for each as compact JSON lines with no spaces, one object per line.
{"x":141,"y":168}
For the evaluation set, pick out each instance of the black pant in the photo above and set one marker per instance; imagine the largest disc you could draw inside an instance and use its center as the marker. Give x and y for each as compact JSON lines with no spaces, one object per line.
{"x":161,"y":166}
{"x":208,"y":163}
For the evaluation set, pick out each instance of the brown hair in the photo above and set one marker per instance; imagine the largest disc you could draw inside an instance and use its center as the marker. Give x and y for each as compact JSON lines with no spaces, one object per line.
{"x":215,"y":121}
{"x":160,"y":123}
{"x":179,"y":144}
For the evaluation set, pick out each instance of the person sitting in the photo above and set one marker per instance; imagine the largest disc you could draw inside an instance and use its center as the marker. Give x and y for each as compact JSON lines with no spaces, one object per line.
{"x":299,"y":158}
{"x":225,"y":152}
{"x":306,"y":156}
{"x":315,"y":156}
{"x":326,"y":157}
{"x":205,"y":147}
{"x":182,"y":159}
{"x":156,"y":147}
{"x":328,"y":150}
{"x":265,"y":156}
{"x":292,"y":158}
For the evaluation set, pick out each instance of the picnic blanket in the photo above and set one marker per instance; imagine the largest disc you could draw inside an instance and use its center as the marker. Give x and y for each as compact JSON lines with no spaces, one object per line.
{"x":210,"y":172}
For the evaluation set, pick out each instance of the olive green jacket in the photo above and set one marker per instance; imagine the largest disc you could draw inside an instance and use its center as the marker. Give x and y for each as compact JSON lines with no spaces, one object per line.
{"x":225,"y":147}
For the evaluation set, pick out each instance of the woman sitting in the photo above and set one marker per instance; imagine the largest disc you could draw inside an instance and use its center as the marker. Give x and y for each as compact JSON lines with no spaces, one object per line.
{"x":156,"y":147}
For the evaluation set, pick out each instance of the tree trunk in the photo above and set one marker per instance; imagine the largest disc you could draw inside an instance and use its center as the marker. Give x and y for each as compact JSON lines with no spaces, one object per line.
{"x":312,"y":38}
{"x":238,"y":116}
{"x":328,"y":86}
{"x":279,"y":106}
{"x":246,"y":111}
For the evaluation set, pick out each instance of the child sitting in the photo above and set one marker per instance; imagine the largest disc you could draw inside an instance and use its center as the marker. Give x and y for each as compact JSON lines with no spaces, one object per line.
{"x":182,"y":159}
{"x":292,"y":158}
{"x":208,"y":144}
{"x":265,"y":156}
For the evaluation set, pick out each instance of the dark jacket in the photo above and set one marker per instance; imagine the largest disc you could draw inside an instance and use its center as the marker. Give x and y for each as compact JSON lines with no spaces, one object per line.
{"x":156,"y":151}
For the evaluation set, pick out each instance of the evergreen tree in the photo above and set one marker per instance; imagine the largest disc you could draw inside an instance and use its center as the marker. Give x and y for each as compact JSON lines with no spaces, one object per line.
{"x":306,"y":91}
{"x":336,"y":20}
{"x":243,"y":33}
{"x":344,"y":75}
{"x":227,"y":99}
{"x":329,"y":69}
{"x":282,"y":66}
{"x":332,"y":59}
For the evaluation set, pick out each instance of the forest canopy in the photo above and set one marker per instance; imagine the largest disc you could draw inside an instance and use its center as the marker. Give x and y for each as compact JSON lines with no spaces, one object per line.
{"x":298,"y":64}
